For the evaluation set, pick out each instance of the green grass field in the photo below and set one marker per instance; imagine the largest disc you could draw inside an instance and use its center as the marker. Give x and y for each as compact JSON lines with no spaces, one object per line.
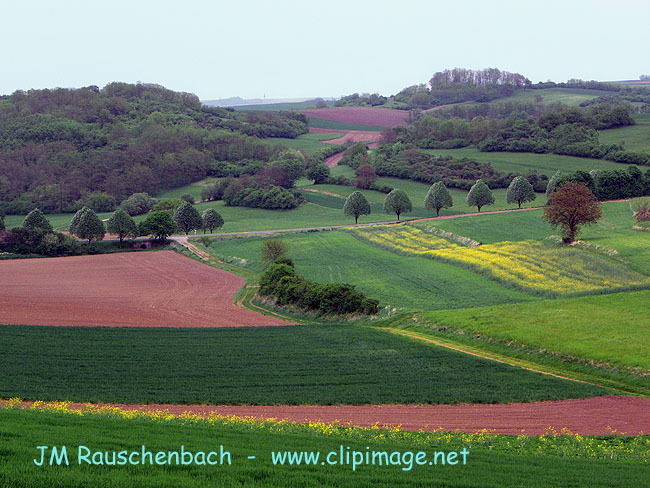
{"x":271,"y":107}
{"x":310,"y":142}
{"x":568,"y":96}
{"x":612,"y":328}
{"x":547,"y":164}
{"x":526,"y":463}
{"x":634,"y":137}
{"x":326,"y":364}
{"x":401,"y":282}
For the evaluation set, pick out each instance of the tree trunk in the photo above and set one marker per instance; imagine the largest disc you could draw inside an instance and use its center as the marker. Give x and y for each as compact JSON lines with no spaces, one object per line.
{"x":356,"y":219}
{"x":437,"y":212}
{"x":397,"y":216}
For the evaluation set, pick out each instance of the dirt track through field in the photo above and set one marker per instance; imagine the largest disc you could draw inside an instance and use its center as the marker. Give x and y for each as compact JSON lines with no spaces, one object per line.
{"x":143,"y":289}
{"x":592,"y":416}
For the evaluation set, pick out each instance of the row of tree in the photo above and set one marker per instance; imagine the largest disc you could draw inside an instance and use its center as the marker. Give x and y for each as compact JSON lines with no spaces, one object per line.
{"x":438,"y":197}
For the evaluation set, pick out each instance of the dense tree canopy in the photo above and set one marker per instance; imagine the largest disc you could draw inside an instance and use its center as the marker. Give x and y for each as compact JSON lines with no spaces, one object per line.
{"x":438,"y":197}
{"x":36,"y":220}
{"x":159,"y":224}
{"x":60,"y":147}
{"x":187,"y":218}
{"x":211,"y":219}
{"x":397,"y":202}
{"x":520,"y":191}
{"x":572,"y":206}
{"x":356,"y":205}
{"x":122,"y":225}
{"x":480,"y":195}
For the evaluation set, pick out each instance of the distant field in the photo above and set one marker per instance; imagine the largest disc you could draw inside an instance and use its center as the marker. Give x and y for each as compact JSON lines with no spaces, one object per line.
{"x":612,"y":328}
{"x":269,"y":107}
{"x":343,"y":126}
{"x":491,"y":460}
{"x":567,"y":96}
{"x":381,"y":117}
{"x":312,"y":364}
{"x":401,"y":282}
{"x":634,"y":137}
{"x":547,"y":164}
{"x":310,"y":143}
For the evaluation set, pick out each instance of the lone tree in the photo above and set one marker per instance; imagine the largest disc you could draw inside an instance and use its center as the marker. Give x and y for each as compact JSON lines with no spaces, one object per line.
{"x":572,"y":205}
{"x":397,"y":202}
{"x":356,"y":205}
{"x":520,"y":191}
{"x":187,"y":218}
{"x":36,"y":220}
{"x":121,"y":224}
{"x":272,"y":250}
{"x":87,"y":226}
{"x":159,"y":224}
{"x":479,"y":195}
{"x":552,"y":183}
{"x":438,"y":197}
{"x":211,"y":219}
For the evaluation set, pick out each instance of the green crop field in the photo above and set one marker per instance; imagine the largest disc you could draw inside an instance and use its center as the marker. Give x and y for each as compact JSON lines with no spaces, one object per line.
{"x":567,"y":96}
{"x":634,"y":137}
{"x":310,"y":142}
{"x":612,"y":328}
{"x":547,"y":164}
{"x":614,"y":231}
{"x":535,"y":462}
{"x":400,"y":282}
{"x":272,"y":107}
{"x":326,"y":364}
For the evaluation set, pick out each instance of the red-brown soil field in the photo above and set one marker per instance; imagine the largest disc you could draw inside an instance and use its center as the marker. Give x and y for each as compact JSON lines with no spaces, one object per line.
{"x":605,"y":415}
{"x":378,"y":117}
{"x":140,"y":289}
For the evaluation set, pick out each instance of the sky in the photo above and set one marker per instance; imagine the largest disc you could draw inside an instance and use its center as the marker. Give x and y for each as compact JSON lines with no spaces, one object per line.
{"x":290,"y":49}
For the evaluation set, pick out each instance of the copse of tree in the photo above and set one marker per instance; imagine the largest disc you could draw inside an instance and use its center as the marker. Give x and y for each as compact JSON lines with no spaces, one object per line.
{"x":159,"y":224}
{"x":397,"y":202}
{"x":281,"y":282}
{"x":520,"y":191}
{"x":215,"y":192}
{"x":187,"y":218}
{"x":211,"y":219}
{"x":438,"y":197}
{"x":479,"y":195}
{"x":356,"y":205}
{"x":169,"y":204}
{"x":122,"y":225}
{"x":100,"y":202}
{"x":138,"y":204}
{"x":36,"y":220}
{"x":186,"y":197}
{"x":572,"y":205}
{"x":355,"y":155}
{"x":86,"y":225}
{"x":318,"y":172}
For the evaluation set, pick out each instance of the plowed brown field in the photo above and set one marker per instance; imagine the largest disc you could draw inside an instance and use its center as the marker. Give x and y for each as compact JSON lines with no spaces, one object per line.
{"x":378,"y":117}
{"x":144,"y":289}
{"x":592,"y":416}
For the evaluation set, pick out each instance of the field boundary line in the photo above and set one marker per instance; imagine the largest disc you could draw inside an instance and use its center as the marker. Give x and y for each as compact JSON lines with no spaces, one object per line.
{"x":245,"y":295}
{"x":520,"y":363}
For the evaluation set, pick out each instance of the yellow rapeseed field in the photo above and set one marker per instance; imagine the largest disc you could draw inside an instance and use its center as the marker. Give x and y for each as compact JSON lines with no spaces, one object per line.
{"x":533,"y":266}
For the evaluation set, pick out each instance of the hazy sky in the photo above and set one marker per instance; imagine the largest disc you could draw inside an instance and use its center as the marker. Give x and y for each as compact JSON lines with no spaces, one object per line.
{"x":283,"y":48}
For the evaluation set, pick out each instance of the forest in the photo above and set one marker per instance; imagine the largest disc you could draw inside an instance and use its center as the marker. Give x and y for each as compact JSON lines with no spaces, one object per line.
{"x":59,"y":146}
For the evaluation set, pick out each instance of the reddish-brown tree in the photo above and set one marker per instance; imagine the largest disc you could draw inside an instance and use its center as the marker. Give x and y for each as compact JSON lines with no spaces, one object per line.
{"x":366,"y":176}
{"x":572,"y":205}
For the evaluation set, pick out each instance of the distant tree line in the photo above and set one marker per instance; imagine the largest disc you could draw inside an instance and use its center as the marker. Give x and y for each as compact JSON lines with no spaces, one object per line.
{"x":58,"y":147}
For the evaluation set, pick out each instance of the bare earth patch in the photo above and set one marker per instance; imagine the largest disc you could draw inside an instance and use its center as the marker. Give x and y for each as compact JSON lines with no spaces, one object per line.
{"x":607,"y":415}
{"x":148,"y":289}
{"x":378,"y":117}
